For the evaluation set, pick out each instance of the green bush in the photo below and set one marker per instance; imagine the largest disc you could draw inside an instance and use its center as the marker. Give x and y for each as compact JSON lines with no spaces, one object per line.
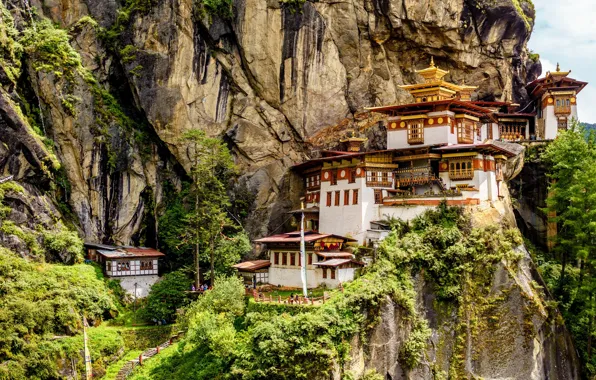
{"x":49,"y":49}
{"x":225,"y":339}
{"x":167,"y":296}
{"x":63,"y":243}
{"x":39,"y":301}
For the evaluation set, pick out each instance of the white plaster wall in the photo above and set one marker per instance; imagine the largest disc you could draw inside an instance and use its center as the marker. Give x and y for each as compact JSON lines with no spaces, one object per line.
{"x":404,"y":212}
{"x":573,"y":113}
{"x":483,"y":186}
{"x":398,"y":139}
{"x":345,"y":274}
{"x":496,"y":132}
{"x":290,"y":276}
{"x":370,"y":211}
{"x":484,"y":131}
{"x":494,"y":186}
{"x":436,"y":135}
{"x":144,"y":284}
{"x":344,"y":220}
{"x":550,"y":123}
{"x":452,"y":137}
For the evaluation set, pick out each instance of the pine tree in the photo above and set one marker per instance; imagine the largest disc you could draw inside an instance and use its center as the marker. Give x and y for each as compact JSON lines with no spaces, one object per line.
{"x":211,"y":169}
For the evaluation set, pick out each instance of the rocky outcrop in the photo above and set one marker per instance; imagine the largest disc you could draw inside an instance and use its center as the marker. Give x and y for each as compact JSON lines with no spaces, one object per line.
{"x":266,"y":80}
{"x":530,"y":190}
{"x":516,"y":337}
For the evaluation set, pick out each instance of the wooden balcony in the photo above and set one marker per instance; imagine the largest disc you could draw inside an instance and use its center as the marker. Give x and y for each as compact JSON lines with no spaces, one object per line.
{"x":562,"y":110}
{"x":512,"y":132}
{"x":379,"y":183}
{"x":461,"y":174}
{"x":416,"y":140}
{"x":414,"y":176}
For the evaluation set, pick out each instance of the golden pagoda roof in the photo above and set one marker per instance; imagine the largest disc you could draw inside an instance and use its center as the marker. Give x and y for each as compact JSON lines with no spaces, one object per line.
{"x":432,"y":73}
{"x":558,"y":72}
{"x":433,"y":79}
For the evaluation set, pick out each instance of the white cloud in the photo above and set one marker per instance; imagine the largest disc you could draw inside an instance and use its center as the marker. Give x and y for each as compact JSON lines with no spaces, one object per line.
{"x":565,"y":32}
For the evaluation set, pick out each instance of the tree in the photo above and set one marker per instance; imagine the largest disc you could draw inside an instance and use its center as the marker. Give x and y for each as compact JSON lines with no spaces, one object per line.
{"x":166,"y":296}
{"x":572,"y":205}
{"x":212,"y":167}
{"x":570,"y":158}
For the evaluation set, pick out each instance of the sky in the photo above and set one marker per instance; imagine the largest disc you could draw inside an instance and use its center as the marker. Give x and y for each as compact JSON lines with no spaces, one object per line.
{"x":565,"y":32}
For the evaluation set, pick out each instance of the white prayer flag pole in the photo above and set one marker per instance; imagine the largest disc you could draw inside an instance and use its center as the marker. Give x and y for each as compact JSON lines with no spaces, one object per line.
{"x":303,"y":254}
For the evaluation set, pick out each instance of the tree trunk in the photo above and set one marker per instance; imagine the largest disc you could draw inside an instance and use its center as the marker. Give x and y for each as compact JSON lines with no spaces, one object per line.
{"x":590,"y":329}
{"x":562,"y":276}
{"x":197,"y":243}
{"x":212,"y":261}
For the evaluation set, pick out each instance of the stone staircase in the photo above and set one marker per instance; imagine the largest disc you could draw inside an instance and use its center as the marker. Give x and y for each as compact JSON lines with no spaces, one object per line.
{"x":127,"y":368}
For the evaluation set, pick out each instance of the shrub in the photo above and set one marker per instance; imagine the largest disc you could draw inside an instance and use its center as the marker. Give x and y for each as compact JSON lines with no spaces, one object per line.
{"x":167,"y":296}
{"x":64,"y":244}
{"x":38,"y":301}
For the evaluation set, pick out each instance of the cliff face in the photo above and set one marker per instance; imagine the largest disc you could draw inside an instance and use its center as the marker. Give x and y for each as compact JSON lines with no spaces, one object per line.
{"x":504,"y":327}
{"x":266,"y":80}
{"x":515,"y":336}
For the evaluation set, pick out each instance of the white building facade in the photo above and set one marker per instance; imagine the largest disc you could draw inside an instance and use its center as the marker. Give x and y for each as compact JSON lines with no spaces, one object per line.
{"x":326,"y":264}
{"x":136,"y":268}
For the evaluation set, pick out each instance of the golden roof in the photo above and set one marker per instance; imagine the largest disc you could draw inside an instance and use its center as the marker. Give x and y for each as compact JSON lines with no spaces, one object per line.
{"x":558,"y":73}
{"x":433,"y":79}
{"x":432,"y":73}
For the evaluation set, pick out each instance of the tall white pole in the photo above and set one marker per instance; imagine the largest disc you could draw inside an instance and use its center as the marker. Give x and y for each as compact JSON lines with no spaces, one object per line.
{"x":88,"y":370}
{"x":303,"y":254}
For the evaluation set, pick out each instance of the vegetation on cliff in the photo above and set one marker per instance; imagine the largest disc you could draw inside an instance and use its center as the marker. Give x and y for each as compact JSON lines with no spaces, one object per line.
{"x":570,"y":267}
{"x":41,"y":306}
{"x":229,"y":338}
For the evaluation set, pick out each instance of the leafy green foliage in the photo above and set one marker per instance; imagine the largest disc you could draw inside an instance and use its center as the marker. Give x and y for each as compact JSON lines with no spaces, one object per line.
{"x":569,"y":268}
{"x":219,"y":8}
{"x":207,"y":218}
{"x":38,"y":301}
{"x":227,"y":340}
{"x":10,"y":49}
{"x":166,"y":296}
{"x":63,"y":243}
{"x":49,"y":49}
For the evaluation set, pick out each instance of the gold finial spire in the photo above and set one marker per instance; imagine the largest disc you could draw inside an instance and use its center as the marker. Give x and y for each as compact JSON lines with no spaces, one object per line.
{"x":432,"y":61}
{"x":558,"y":67}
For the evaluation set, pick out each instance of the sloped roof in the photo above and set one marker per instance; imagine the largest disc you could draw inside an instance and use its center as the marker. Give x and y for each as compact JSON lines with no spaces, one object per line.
{"x":335,"y":254}
{"x":294,"y":237}
{"x":129,"y":253}
{"x":100,"y":246}
{"x":251,"y":266}
{"x":337,"y":262}
{"x":493,"y":146}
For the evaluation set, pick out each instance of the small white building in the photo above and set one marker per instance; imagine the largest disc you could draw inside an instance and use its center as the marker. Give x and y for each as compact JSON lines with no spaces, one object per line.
{"x":327,"y":264}
{"x":554,"y":100}
{"x":136,"y":268}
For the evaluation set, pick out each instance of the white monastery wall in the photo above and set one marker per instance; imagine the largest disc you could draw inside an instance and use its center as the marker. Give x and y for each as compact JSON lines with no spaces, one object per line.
{"x":345,"y":274}
{"x":573,"y":114}
{"x":144,"y":284}
{"x":435,"y":135}
{"x":403,"y":212}
{"x":290,"y":276}
{"x":344,"y":220}
{"x":550,"y":122}
{"x":397,"y":139}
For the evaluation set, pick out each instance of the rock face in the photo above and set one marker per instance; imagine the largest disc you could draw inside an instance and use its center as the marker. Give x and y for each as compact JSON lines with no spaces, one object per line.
{"x":530,"y":190}
{"x":519,"y":337}
{"x":266,"y":80}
